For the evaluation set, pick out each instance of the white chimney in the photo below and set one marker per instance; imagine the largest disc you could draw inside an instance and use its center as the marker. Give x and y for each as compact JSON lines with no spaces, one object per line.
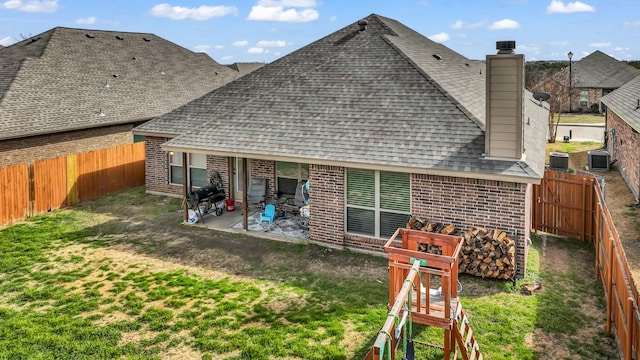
{"x":505,"y":103}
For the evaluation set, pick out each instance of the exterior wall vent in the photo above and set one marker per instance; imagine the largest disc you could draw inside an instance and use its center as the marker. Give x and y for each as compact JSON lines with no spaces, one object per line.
{"x":598,"y":160}
{"x":558,"y":161}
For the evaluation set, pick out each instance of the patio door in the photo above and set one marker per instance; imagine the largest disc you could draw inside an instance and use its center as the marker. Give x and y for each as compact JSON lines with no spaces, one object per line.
{"x":238,"y":172}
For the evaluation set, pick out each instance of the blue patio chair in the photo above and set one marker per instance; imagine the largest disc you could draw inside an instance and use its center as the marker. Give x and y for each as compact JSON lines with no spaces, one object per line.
{"x":269,"y":213}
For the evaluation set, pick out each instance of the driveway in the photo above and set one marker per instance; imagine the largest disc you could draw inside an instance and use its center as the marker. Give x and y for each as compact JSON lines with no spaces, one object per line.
{"x":581,"y":132}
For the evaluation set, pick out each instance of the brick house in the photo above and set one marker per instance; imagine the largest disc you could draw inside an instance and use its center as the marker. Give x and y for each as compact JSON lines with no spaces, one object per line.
{"x":592,"y":77}
{"x":71,"y":90}
{"x":622,"y":127}
{"x":383,"y":122}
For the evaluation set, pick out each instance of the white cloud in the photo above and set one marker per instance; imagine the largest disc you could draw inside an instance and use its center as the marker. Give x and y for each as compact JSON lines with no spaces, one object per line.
{"x":88,"y":20}
{"x":240,"y":43}
{"x":283,"y":11}
{"x":200,"y":13}
{"x":202,"y":48}
{"x":278,"y":13}
{"x":333,"y":18}
{"x":257,"y":50}
{"x":441,"y":37}
{"x":530,"y":49}
{"x":558,"y":7}
{"x":600,"y":45}
{"x":46,"y":6}
{"x":271,"y":43}
{"x":459,"y":24}
{"x":289,"y":3}
{"x":6,"y":41}
{"x":504,"y":24}
{"x":218,"y":47}
{"x":227,"y":57}
{"x":560,"y":43}
{"x":632,"y":23}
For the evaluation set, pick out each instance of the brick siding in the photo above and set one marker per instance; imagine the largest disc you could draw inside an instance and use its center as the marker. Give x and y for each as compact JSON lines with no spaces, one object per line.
{"x":474,"y":202}
{"x":34,"y":148}
{"x":326,"y":200}
{"x":157,"y":168}
{"x":463,"y":202}
{"x":624,"y":147}
{"x":265,"y":169}
{"x":221,"y":165}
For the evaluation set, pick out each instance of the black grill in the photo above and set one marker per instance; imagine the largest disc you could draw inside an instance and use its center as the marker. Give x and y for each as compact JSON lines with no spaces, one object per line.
{"x":212,"y":196}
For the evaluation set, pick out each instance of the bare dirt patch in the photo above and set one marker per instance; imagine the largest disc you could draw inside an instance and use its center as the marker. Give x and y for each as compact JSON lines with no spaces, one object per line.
{"x":624,"y":212}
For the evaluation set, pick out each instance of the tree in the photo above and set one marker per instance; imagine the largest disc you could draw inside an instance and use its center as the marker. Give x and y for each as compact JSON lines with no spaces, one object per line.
{"x":556,"y":85}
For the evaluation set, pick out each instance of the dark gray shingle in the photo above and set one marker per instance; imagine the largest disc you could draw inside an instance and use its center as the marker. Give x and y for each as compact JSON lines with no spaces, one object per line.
{"x":61,"y":79}
{"x":373,"y":99}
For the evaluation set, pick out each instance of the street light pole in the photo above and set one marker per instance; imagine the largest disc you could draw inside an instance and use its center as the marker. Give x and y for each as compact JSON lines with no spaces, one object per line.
{"x":570,"y":55}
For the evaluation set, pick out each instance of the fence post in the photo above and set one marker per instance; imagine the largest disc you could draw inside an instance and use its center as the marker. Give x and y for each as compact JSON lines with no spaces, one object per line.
{"x":72,"y":179}
{"x":628,"y":344}
{"x":598,"y":236}
{"x":610,"y":285}
{"x":32,"y":191}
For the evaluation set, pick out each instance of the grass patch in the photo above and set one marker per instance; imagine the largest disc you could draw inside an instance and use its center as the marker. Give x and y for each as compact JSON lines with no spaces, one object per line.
{"x":582,"y":119}
{"x":75,"y":289}
{"x":573,"y":147}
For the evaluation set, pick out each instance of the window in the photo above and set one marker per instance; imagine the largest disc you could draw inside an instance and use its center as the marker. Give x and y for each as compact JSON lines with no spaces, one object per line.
{"x":197,"y":169}
{"x":175,"y":167}
{"x":378,"y":202}
{"x":289,"y":174}
{"x":584,"y":98}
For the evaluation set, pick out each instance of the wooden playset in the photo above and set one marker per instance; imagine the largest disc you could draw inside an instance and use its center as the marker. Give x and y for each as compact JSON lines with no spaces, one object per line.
{"x":413,"y":300}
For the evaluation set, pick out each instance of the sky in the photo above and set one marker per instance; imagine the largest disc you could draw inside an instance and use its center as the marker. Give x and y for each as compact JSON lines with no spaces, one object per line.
{"x":265,"y":30}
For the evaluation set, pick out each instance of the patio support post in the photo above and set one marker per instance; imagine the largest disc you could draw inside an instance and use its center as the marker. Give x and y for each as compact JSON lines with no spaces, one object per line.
{"x":185,"y":188}
{"x":245,"y":204}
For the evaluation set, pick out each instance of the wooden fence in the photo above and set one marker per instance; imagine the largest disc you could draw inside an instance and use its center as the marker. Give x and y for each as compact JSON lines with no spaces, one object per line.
{"x":30,"y":189}
{"x":574,"y":206}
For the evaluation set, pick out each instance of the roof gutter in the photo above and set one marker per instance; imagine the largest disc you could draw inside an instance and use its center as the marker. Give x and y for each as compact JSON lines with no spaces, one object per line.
{"x":368,"y":166}
{"x":76,"y":128}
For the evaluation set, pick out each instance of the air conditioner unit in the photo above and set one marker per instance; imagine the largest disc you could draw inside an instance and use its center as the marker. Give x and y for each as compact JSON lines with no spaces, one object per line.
{"x":598,"y":160}
{"x":558,"y":161}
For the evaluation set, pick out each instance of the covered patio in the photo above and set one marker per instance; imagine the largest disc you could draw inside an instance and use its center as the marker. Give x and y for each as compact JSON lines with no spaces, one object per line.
{"x":287,"y":226}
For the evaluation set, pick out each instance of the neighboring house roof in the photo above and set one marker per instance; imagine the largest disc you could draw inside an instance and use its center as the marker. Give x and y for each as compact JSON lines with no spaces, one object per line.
{"x":601,"y":71}
{"x":625,"y":102}
{"x":66,"y":79}
{"x":246,"y":67}
{"x":386,"y":97}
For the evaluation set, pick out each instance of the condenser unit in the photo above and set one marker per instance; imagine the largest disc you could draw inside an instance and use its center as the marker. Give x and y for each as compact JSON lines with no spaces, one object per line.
{"x":598,"y":160}
{"x":558,"y":161}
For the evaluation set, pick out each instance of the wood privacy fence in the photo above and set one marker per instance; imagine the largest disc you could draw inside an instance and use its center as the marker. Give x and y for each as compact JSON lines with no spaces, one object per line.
{"x":30,"y":189}
{"x":573,"y":205}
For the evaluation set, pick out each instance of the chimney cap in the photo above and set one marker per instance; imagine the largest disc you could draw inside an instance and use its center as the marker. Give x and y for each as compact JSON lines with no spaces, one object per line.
{"x":505,"y":46}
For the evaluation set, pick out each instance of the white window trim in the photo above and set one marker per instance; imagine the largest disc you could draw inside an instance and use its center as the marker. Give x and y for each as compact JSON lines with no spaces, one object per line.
{"x":376,"y":210}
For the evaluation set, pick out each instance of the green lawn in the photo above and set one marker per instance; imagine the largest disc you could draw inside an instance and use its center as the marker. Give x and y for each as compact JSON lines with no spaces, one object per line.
{"x":120,"y":278}
{"x":582,"y":118}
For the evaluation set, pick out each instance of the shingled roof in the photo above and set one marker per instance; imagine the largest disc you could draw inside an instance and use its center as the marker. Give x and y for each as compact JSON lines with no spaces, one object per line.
{"x":66,"y":79}
{"x":601,"y":71}
{"x":386,"y":97}
{"x":625,"y":102}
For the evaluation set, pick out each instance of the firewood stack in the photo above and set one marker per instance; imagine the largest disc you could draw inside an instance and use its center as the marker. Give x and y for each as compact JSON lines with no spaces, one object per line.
{"x":485,"y":253}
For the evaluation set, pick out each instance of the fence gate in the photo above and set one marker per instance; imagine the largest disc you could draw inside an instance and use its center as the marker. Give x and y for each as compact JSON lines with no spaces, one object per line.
{"x":564,"y":204}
